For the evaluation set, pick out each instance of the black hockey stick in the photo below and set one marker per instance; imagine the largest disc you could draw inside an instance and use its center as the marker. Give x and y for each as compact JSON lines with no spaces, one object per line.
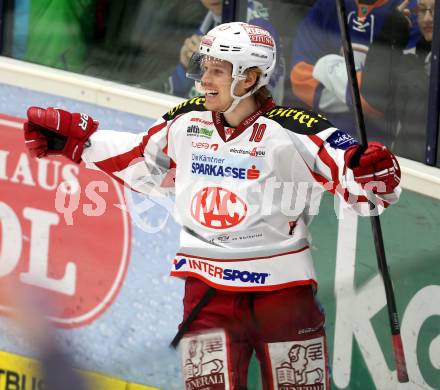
{"x":399,"y":356}
{"x":192,"y":315}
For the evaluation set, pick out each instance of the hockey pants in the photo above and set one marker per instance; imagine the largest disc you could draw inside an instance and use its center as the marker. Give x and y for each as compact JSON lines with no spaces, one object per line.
{"x":284,"y":327}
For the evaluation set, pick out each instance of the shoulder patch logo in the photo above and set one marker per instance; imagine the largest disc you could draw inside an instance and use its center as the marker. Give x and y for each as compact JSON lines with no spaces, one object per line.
{"x":341,"y":140}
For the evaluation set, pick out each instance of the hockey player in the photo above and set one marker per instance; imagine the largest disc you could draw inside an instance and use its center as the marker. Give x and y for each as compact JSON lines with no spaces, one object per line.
{"x":233,"y":155}
{"x":257,"y":14}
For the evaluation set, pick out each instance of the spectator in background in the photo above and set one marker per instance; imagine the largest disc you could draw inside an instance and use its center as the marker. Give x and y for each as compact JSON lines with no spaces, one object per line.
{"x":318,"y":74}
{"x":402,"y":92}
{"x":257,"y":14}
{"x":59,"y":33}
{"x":20,"y":29}
{"x":141,"y":38}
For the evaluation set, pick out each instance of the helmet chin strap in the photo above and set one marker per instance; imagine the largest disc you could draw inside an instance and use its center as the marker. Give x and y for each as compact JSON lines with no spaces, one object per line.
{"x":237,"y":99}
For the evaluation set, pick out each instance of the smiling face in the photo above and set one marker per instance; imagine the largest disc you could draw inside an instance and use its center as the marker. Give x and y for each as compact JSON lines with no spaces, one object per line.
{"x":425,"y":18}
{"x":216,"y":82}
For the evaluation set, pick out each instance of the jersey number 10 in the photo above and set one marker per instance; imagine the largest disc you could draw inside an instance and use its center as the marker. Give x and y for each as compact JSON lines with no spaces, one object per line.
{"x":257,"y":132}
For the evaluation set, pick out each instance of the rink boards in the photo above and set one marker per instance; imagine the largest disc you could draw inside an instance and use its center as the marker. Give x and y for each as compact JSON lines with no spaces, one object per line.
{"x":21,"y":373}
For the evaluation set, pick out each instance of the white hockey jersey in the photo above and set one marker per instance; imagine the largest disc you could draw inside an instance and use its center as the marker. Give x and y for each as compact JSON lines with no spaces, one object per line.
{"x":243,"y":196}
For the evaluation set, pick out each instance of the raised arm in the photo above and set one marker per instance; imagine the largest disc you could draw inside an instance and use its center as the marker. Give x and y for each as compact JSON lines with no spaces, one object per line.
{"x":330,"y":155}
{"x":140,"y":161}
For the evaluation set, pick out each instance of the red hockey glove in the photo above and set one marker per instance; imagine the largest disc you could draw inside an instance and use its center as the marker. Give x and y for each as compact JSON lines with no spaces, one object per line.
{"x":36,"y":142}
{"x":65,"y":133}
{"x":375,"y":164}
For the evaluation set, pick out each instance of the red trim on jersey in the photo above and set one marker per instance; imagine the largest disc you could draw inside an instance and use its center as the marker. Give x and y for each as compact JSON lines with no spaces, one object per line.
{"x":119,"y":180}
{"x":122,"y":161}
{"x":217,"y":118}
{"x":330,"y":162}
{"x":218,"y":123}
{"x":360,"y":198}
{"x":119,"y":162}
{"x":165,"y":149}
{"x":151,"y":132}
{"x":322,"y":180}
{"x":345,"y":194}
{"x":316,"y":140}
{"x":186,"y":274}
{"x":326,"y":158}
{"x":243,"y":258}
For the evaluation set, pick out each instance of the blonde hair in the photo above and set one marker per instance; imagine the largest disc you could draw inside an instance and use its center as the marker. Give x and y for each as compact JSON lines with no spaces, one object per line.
{"x":262,"y":93}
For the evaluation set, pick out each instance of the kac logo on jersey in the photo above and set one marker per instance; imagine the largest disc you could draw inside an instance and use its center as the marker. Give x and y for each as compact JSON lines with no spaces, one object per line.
{"x":341,"y":140}
{"x":218,"y":208}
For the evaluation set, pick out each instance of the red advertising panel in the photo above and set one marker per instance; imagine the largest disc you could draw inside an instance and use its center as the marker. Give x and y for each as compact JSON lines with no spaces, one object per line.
{"x":63,"y":229}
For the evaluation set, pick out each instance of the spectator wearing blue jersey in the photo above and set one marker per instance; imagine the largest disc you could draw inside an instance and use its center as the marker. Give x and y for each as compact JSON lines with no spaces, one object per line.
{"x":318,"y":73}
{"x":178,"y":84}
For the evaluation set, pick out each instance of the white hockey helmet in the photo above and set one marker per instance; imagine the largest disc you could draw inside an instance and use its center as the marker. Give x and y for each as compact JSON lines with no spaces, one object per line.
{"x":241,"y":44}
